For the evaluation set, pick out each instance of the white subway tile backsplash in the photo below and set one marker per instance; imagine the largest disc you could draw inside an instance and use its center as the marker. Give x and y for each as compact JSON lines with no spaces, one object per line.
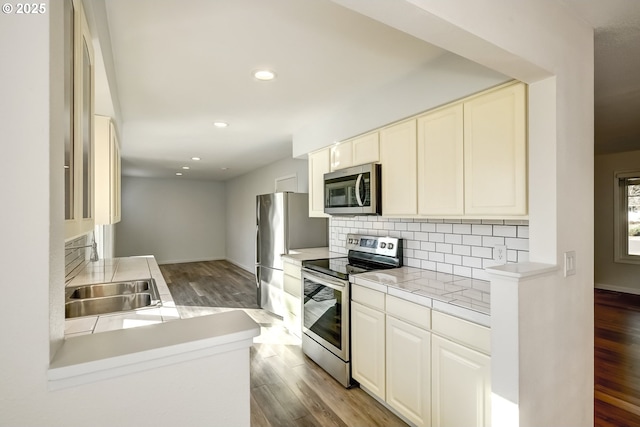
{"x":481,"y":230}
{"x":436,"y":237}
{"x":462,"y":228}
{"x":505,"y":231}
{"x":454,"y":239}
{"x":461,"y":247}
{"x":472,"y":240}
{"x":444,"y":228}
{"x":492,"y":241}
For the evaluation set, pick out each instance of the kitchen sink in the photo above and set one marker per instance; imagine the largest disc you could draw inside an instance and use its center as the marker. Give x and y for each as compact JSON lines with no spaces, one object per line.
{"x":111,"y":289}
{"x":111,"y":297}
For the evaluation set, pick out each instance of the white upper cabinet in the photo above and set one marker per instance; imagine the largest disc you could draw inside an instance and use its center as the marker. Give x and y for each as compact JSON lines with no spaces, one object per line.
{"x":467,"y":159}
{"x":399,"y":169}
{"x":341,"y":155}
{"x":107,"y":168}
{"x":319,"y":164}
{"x":357,"y":151}
{"x":79,"y":143}
{"x":495,"y":153}
{"x":441,"y":162}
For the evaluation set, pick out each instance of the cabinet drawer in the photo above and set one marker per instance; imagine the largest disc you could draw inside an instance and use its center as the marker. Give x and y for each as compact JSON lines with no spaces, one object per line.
{"x":292,"y":305}
{"x":367,"y":297}
{"x":462,"y":331}
{"x":292,"y":269}
{"x":409,"y":311}
{"x":292,"y":285}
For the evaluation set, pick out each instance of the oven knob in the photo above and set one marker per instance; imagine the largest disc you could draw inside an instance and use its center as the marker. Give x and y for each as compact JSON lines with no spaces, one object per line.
{"x":390,"y":246}
{"x":383,"y":245}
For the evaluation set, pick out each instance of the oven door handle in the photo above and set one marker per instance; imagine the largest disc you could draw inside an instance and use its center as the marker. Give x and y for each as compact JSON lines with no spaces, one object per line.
{"x":325,"y":280}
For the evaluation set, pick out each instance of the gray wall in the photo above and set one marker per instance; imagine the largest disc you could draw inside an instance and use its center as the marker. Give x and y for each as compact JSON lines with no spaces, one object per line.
{"x":241,"y":206}
{"x":176,"y":220}
{"x":609,"y":274}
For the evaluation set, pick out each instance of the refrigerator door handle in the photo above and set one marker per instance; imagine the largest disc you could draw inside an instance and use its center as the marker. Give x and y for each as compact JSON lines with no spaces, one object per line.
{"x":257,"y":244}
{"x":259,"y":291}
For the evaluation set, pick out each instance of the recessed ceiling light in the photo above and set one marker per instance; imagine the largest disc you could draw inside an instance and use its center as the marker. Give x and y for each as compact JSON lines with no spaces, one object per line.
{"x":186,"y":167}
{"x":220,"y":124}
{"x":195,"y":158}
{"x":224,"y":169}
{"x":264,"y":75}
{"x":179,"y":173}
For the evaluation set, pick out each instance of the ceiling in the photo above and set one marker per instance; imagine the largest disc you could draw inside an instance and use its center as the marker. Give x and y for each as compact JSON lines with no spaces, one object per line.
{"x":176,"y":67}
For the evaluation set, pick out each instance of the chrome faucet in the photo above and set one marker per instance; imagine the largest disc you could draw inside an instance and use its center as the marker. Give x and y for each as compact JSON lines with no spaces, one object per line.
{"x":94,"y":250}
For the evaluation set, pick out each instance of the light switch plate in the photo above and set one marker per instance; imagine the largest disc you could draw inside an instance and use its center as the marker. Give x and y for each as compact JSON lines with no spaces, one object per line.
{"x":569,"y":263}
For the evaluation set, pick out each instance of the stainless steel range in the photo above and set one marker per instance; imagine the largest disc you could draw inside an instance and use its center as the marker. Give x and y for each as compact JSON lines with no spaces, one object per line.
{"x":325,"y":309}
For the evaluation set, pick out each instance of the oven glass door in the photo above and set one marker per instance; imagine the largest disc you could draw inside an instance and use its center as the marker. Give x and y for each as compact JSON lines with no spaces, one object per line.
{"x":325,"y":312}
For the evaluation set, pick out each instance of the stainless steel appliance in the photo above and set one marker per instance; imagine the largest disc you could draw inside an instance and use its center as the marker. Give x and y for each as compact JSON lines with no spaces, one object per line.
{"x":282,"y":224}
{"x":326,"y":294}
{"x":353,"y":191}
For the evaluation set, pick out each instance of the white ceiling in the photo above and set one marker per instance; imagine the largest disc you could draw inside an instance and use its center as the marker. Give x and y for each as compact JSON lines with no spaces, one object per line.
{"x":177,"y":66}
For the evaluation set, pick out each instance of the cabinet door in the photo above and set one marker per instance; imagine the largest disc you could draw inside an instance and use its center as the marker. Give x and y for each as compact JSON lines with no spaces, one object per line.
{"x":341,"y":155}
{"x":399,"y":169}
{"x":441,"y":162}
{"x":495,"y":153}
{"x":319,"y":164}
{"x":461,"y":381}
{"x":409,"y":371}
{"x":368,"y":348}
{"x":116,"y":178}
{"x":366,"y":149}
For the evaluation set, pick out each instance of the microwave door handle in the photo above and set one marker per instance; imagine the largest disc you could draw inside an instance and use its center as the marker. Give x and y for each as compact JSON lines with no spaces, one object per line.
{"x":358,"y":183}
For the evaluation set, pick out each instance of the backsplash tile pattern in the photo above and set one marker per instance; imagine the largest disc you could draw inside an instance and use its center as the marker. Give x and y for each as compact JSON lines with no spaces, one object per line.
{"x":460,"y":247}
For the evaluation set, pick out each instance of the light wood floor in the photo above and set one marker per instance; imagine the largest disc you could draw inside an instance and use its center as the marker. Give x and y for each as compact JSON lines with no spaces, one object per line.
{"x":617,"y":359}
{"x":287,"y":388}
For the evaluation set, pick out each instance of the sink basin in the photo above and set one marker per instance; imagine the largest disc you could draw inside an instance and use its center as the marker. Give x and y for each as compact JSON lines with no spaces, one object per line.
{"x":103,"y":305}
{"x":111,"y":289}
{"x":111,"y":297}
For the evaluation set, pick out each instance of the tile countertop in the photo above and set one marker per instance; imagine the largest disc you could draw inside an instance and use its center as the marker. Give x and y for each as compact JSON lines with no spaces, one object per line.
{"x":456,"y":295}
{"x":118,"y":269}
{"x":298,"y":255}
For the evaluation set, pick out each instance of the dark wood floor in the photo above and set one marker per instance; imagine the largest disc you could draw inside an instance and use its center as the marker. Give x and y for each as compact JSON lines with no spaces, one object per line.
{"x":617,"y":359}
{"x":287,"y":388}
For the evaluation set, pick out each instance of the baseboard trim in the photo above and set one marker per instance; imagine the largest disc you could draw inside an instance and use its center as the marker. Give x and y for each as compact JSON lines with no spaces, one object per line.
{"x":237,"y":264}
{"x":615,"y":288}
{"x":183,"y":261}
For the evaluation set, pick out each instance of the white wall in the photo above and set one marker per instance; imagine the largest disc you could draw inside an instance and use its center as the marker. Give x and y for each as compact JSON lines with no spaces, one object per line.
{"x":176,"y":220}
{"x":609,"y":274}
{"x":543,"y":44}
{"x":241,"y":195}
{"x":447,"y":78}
{"x":32,"y":263}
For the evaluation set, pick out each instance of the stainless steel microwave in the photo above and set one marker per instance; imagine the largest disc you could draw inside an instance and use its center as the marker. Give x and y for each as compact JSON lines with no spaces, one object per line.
{"x":353,"y":191}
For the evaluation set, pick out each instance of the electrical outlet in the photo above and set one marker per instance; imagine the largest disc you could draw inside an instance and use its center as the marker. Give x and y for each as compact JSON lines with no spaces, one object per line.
{"x":500,"y":254}
{"x":569,"y":263}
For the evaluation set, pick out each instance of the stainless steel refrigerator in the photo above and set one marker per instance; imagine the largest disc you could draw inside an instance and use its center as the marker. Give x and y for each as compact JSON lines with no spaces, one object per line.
{"x":282,"y":224}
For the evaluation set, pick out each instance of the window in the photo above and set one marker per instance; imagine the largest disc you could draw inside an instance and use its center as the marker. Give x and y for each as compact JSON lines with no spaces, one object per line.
{"x":627,"y":217}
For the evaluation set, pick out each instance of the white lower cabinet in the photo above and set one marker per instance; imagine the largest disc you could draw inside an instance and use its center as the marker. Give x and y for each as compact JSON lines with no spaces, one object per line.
{"x":368,"y":348}
{"x":461,"y":385}
{"x":431,"y":368}
{"x":409,"y":371}
{"x":292,"y":287}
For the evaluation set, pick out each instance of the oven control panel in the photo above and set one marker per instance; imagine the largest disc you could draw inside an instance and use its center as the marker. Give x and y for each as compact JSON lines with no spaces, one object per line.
{"x":388,"y":246}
